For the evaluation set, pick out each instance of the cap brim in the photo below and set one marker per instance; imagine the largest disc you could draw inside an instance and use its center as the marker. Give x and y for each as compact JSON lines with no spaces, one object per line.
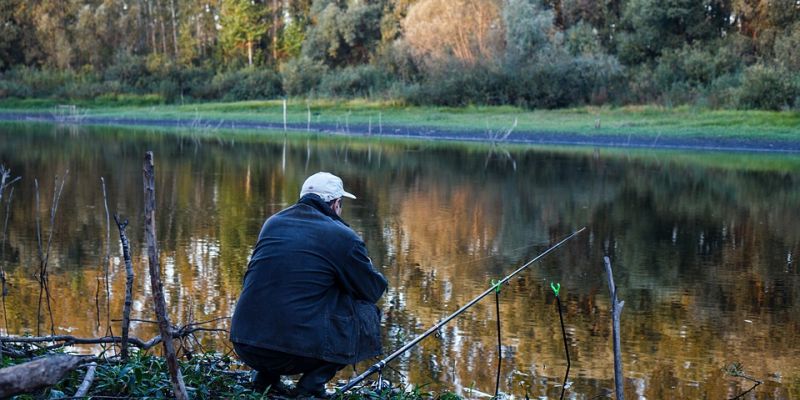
{"x":349,"y":195}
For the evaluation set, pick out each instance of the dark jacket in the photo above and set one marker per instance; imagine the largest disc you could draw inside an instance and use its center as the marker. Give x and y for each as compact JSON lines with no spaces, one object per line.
{"x":310,"y":288}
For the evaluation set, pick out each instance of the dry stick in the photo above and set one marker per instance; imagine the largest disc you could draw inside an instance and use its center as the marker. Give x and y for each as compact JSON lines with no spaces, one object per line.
{"x":107,"y":260}
{"x":83,"y":389}
{"x":3,"y":289}
{"x":499,"y":342}
{"x":616,"y":310}
{"x":756,"y":382}
{"x":41,"y":256}
{"x":44,"y":255}
{"x":284,"y":115}
{"x":308,"y":113}
{"x":148,"y":174}
{"x":69,"y":340}
{"x":126,"y":311}
{"x":4,"y":174}
{"x":566,"y":346}
{"x":97,"y":302}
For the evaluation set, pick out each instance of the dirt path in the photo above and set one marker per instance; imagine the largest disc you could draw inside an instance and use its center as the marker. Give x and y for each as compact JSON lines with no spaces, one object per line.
{"x":431,"y":133}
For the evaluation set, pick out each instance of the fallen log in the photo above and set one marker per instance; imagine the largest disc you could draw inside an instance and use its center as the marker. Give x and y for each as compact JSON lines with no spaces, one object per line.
{"x":36,"y":374}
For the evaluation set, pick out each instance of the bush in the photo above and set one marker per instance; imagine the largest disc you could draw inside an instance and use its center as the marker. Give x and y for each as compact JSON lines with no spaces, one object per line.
{"x":12,"y":88}
{"x":246,"y":84}
{"x":723,"y":91}
{"x":132,"y":99}
{"x":358,"y":81}
{"x":566,"y":81}
{"x":301,"y":75}
{"x":131,"y":71}
{"x":478,"y":84}
{"x":768,"y":88}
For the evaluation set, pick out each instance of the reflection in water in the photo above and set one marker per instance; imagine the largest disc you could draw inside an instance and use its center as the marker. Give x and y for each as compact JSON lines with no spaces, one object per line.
{"x":704,"y":249}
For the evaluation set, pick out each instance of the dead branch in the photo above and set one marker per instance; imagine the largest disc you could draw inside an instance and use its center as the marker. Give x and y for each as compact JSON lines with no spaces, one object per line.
{"x":69,"y":340}
{"x":3,"y":287}
{"x":148,"y":174}
{"x":616,"y":310}
{"x":107,"y":259}
{"x":44,"y":254}
{"x":83,"y":389}
{"x":36,"y":374}
{"x":126,"y":310}
{"x":11,"y":351}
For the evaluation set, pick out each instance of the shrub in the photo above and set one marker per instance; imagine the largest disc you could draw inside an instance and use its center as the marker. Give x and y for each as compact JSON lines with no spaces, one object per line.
{"x":361,"y":80}
{"x":723,"y":91}
{"x":767,"y":87}
{"x":301,"y":75}
{"x":246,"y":84}
{"x":478,"y":84}
{"x":13,"y":88}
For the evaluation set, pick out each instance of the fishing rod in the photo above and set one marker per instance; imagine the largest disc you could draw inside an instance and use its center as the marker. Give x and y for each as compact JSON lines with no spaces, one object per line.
{"x":382,"y":363}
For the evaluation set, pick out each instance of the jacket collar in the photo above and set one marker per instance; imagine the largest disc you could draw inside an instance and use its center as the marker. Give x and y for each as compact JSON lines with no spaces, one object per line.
{"x":315,"y":201}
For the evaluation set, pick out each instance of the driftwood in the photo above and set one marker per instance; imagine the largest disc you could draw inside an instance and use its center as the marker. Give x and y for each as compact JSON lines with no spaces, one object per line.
{"x":126,"y":311}
{"x":83,"y":389}
{"x":148,"y":174}
{"x":616,"y":310}
{"x":36,"y":374}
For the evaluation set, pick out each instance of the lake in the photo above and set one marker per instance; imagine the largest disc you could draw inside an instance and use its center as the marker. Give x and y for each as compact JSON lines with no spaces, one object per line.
{"x":704,"y":248}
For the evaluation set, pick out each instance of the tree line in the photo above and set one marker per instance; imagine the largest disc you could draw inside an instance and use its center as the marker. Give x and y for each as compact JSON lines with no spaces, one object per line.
{"x":530,"y":53}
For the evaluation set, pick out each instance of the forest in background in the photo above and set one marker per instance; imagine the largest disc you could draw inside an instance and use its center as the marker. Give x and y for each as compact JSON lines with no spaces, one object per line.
{"x":527,"y":53}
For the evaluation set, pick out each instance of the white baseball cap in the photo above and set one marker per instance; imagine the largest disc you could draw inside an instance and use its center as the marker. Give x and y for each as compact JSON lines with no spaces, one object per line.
{"x":325,"y":185}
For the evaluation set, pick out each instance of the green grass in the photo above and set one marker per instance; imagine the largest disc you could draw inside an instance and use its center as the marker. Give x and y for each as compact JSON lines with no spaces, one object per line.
{"x":648,"y":121}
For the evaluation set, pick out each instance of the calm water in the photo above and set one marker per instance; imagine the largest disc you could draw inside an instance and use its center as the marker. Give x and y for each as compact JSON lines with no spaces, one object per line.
{"x":705,"y":250}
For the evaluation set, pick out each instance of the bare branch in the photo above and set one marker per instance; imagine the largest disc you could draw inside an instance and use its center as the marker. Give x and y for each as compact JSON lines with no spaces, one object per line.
{"x":83,"y":389}
{"x":148,"y":175}
{"x":126,"y":310}
{"x":616,"y":310}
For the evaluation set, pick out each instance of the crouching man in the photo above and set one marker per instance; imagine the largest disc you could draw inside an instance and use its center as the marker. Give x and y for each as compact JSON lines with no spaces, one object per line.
{"x":308,"y":301}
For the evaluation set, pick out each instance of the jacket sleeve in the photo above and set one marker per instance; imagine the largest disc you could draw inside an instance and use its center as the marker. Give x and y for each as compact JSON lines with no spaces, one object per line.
{"x":359,"y":277}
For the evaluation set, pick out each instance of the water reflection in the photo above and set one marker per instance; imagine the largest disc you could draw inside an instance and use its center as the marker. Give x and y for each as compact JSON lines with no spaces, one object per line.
{"x":702,"y":247}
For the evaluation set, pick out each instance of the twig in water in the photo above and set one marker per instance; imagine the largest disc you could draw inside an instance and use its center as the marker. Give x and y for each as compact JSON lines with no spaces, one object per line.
{"x":107,"y":260}
{"x":737,"y":370}
{"x":3,"y":287}
{"x":499,"y":338}
{"x":556,"y":289}
{"x":97,"y":302}
{"x":616,"y":310}
{"x":126,"y":310}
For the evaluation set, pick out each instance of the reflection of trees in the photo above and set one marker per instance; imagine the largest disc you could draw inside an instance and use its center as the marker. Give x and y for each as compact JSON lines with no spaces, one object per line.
{"x":698,"y":249}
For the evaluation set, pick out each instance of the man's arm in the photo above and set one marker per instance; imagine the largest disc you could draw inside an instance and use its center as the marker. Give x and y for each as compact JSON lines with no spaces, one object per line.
{"x":359,"y":277}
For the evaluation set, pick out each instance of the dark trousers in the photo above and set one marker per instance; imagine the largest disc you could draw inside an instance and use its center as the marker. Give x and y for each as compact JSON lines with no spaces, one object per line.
{"x":272,"y":364}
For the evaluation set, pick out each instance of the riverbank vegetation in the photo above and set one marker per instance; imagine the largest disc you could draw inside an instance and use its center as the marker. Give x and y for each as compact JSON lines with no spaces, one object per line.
{"x":377,"y":117}
{"x":718,"y":54}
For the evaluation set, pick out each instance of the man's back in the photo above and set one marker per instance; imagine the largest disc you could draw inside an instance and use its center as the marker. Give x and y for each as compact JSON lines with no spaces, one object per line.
{"x":307,"y":286}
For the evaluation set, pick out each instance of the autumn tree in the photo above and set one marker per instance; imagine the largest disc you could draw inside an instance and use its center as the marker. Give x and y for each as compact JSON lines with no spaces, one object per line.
{"x":465,"y":30}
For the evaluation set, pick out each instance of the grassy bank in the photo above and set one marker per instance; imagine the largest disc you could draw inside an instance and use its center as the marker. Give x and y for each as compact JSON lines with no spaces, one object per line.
{"x":648,"y":121}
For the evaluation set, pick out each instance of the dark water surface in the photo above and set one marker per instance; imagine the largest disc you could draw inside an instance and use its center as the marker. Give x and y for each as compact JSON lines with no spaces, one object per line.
{"x":705,"y":250}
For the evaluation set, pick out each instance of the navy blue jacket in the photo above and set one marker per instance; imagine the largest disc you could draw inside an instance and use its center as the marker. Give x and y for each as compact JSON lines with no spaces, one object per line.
{"x":310,"y":288}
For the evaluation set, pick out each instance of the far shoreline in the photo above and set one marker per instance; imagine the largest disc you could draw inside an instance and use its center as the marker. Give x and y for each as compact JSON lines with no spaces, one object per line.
{"x":636,"y":129}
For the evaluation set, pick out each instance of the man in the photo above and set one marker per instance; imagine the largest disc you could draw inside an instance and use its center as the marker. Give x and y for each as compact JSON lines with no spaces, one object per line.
{"x":308,"y":301}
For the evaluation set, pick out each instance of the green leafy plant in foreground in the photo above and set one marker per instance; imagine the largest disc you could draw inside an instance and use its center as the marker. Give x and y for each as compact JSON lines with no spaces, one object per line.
{"x":206,"y":376}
